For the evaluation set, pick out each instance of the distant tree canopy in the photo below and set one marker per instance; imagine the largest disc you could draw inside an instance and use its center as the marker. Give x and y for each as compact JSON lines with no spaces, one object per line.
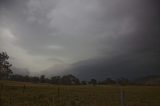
{"x":107,"y":81}
{"x":93,"y":81}
{"x":64,"y":80}
{"x":42,"y":79}
{"x":123,"y":81}
{"x":5,"y":70}
{"x":56,"y":80}
{"x":69,"y":80}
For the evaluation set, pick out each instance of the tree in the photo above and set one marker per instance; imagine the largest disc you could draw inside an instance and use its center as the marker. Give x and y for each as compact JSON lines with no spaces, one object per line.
{"x":70,"y":80}
{"x":34,"y":79}
{"x":108,"y":81}
{"x":55,"y":80}
{"x":5,"y":70}
{"x":93,"y":81}
{"x":42,"y":79}
{"x":123,"y":81}
{"x":83,"y":82}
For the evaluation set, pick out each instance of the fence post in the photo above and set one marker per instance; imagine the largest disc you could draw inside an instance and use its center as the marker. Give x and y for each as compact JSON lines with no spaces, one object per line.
{"x":1,"y":91}
{"x":122,"y":97}
{"x":58,"y":96}
{"x":24,"y":88}
{"x":0,"y":96}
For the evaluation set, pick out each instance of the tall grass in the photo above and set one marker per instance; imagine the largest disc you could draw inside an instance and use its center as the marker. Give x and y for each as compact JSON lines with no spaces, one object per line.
{"x":49,"y":95}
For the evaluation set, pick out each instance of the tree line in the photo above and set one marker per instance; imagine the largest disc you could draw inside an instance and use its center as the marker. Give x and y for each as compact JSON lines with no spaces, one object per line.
{"x":6,"y":73}
{"x":67,"y":80}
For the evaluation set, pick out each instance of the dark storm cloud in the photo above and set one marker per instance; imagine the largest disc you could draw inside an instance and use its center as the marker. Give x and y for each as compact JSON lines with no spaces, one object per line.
{"x":7,"y":3}
{"x":137,"y":54}
{"x":128,"y":65}
{"x":94,"y":38}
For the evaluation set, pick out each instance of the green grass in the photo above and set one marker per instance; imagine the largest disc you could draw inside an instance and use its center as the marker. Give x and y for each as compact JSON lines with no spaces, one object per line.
{"x":15,"y":94}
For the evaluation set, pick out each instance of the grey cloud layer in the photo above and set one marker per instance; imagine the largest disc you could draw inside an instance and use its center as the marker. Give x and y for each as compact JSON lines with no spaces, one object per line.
{"x":52,"y":32}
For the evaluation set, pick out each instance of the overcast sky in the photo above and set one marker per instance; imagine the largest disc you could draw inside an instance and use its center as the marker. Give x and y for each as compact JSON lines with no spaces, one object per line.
{"x":89,"y":38}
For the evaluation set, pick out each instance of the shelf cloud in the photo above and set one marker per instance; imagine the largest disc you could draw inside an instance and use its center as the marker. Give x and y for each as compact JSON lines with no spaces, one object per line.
{"x":88,"y":38}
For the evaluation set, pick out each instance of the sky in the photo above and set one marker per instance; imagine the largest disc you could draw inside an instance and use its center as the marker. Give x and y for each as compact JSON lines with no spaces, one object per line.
{"x":87,"y":38}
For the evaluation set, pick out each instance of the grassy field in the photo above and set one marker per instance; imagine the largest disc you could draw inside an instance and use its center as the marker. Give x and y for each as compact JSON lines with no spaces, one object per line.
{"x":16,"y":94}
